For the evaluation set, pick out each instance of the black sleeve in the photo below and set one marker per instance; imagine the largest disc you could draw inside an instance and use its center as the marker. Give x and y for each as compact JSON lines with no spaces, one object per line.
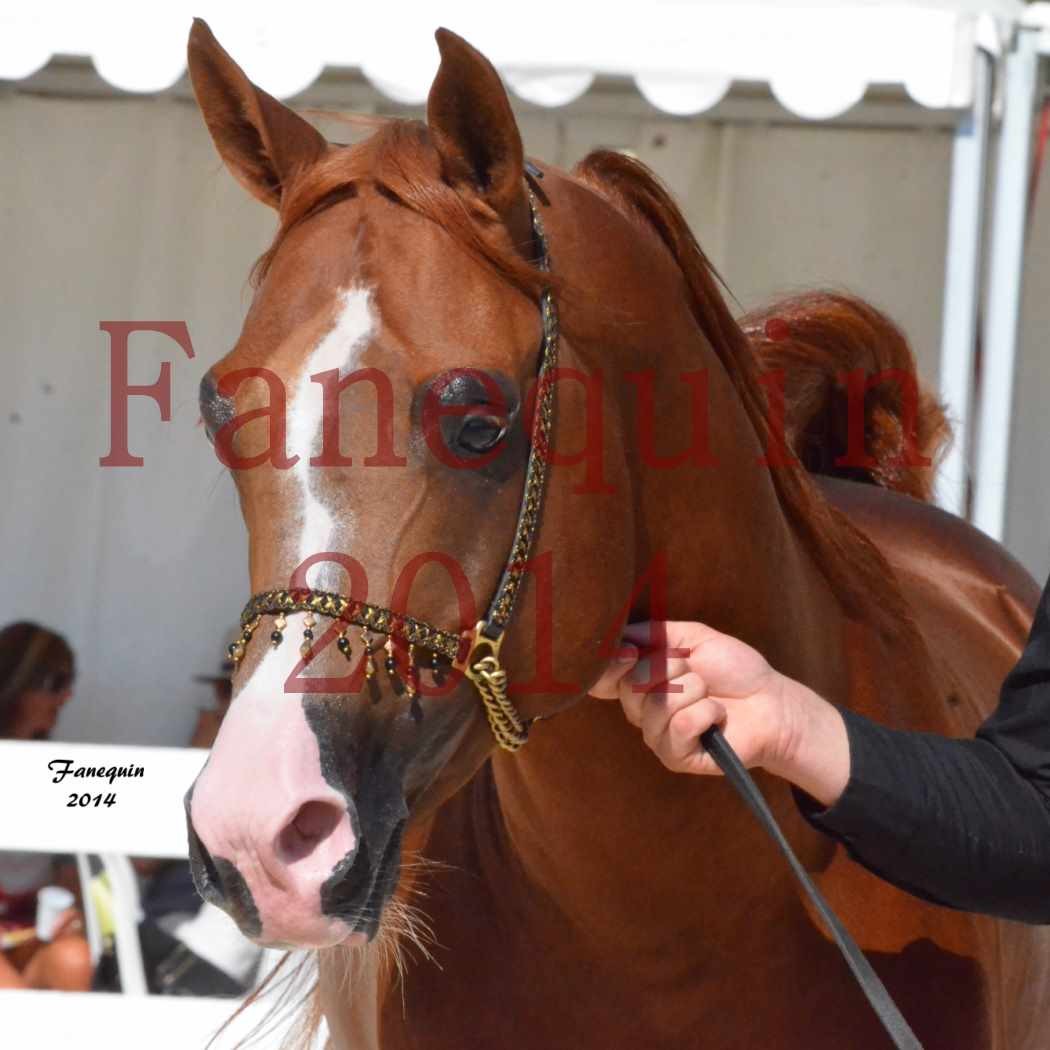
{"x":964,"y":823}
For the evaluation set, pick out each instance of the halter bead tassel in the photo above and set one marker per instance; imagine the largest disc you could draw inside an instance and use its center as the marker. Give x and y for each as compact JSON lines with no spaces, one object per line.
{"x":390,"y":664}
{"x":342,"y":643}
{"x":306,"y":650}
{"x":437,"y":672}
{"x":235,"y":650}
{"x":415,"y":708}
{"x":370,"y":664}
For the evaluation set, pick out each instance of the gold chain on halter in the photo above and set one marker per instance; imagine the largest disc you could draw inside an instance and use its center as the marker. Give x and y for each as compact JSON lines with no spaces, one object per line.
{"x":490,"y":680}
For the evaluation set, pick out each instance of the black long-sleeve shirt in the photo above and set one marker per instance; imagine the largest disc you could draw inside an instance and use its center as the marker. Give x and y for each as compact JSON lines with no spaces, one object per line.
{"x":964,"y":823}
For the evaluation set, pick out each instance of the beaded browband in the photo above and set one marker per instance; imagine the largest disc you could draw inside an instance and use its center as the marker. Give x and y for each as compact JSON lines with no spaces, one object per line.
{"x":475,"y":652}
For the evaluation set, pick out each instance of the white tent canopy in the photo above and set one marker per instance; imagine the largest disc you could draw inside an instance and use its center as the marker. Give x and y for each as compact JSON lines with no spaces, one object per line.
{"x":818,"y":57}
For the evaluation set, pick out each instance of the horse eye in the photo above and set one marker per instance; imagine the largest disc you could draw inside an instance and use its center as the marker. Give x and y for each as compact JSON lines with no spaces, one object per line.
{"x":481,"y":433}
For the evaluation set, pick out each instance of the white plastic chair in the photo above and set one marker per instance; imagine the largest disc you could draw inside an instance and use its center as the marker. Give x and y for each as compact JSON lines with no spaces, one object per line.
{"x":147,"y":819}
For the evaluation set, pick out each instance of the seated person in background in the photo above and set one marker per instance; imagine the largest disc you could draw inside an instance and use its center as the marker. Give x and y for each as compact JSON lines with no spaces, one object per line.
{"x":36,"y":679}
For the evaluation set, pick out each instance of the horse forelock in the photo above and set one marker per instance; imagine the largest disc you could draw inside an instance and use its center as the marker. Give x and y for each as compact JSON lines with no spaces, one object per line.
{"x":401,"y":162}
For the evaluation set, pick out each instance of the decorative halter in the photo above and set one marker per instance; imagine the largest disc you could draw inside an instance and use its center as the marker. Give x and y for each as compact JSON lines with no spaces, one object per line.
{"x":474,"y":652}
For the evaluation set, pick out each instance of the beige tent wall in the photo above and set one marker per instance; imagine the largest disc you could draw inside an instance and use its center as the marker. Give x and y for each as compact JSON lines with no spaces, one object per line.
{"x":117,"y":208}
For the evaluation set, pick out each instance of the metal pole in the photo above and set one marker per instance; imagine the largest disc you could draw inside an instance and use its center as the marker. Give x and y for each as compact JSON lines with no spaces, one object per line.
{"x":1004,"y":286}
{"x":962,"y":275}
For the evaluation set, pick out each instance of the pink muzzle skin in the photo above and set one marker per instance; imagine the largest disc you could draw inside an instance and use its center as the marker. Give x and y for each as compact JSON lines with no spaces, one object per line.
{"x":262,"y":805}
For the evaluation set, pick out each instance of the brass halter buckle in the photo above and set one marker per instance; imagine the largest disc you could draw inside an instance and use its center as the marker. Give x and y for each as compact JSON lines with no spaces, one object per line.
{"x":475,"y":653}
{"x":482,"y":666}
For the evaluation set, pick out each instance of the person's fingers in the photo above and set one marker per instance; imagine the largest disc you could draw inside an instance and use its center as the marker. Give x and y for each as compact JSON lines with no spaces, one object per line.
{"x":632,"y":701}
{"x":731,"y":667}
{"x":669,"y":634}
{"x":654,"y":671}
{"x":645,"y":678}
{"x":607,"y":686}
{"x":682,"y":739}
{"x":635,"y":688}
{"x":661,"y":704}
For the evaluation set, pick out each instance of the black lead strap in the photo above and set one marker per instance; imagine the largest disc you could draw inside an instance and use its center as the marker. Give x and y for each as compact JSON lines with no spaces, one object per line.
{"x":871,"y":985}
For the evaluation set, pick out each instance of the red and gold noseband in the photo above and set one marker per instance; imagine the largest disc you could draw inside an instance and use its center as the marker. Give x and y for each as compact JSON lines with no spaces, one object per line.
{"x":473,"y":651}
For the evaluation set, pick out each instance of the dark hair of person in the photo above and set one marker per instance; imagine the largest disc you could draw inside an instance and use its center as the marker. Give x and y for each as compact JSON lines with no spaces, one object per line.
{"x":31,"y":657}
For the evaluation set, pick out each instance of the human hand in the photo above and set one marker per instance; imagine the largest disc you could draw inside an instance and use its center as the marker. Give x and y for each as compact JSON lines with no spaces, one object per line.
{"x":69,"y":923}
{"x":676,"y":679}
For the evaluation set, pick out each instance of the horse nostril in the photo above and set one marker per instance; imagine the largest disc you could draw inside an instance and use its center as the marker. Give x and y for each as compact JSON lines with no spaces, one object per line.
{"x":313,"y":822}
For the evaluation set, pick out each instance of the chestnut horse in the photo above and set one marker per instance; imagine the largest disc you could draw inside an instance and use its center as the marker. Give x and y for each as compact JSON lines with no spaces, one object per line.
{"x":573,"y":893}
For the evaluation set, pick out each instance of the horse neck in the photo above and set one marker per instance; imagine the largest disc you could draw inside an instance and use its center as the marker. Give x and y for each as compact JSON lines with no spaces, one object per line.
{"x":590,"y":816}
{"x":733,"y":558}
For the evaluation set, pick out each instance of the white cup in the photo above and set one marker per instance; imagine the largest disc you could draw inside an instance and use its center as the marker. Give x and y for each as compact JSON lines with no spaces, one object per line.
{"x":51,"y":901}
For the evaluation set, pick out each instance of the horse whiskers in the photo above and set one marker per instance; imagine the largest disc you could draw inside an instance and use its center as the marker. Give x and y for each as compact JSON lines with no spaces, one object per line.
{"x":284,"y":983}
{"x":402,"y":927}
{"x":419,"y":862}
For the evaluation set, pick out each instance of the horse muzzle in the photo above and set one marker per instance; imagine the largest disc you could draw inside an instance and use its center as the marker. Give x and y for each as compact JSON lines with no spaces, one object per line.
{"x":298,"y":851}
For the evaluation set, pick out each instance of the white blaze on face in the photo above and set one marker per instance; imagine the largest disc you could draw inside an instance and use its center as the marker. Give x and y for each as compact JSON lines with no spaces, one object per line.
{"x":266,"y":727}
{"x":340,"y":349}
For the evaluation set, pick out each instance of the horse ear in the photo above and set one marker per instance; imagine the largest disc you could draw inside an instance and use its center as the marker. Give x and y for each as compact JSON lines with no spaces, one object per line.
{"x":261,"y":141}
{"x":473,"y":126}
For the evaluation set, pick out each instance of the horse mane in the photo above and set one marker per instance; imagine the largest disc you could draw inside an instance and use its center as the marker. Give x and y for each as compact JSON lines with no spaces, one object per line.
{"x":857,"y":573}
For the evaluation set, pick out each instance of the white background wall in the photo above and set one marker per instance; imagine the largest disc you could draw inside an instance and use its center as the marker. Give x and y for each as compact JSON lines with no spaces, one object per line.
{"x":118,"y":208}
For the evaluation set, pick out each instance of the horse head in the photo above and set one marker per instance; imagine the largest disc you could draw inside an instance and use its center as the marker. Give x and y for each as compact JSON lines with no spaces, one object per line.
{"x":377,"y":416}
